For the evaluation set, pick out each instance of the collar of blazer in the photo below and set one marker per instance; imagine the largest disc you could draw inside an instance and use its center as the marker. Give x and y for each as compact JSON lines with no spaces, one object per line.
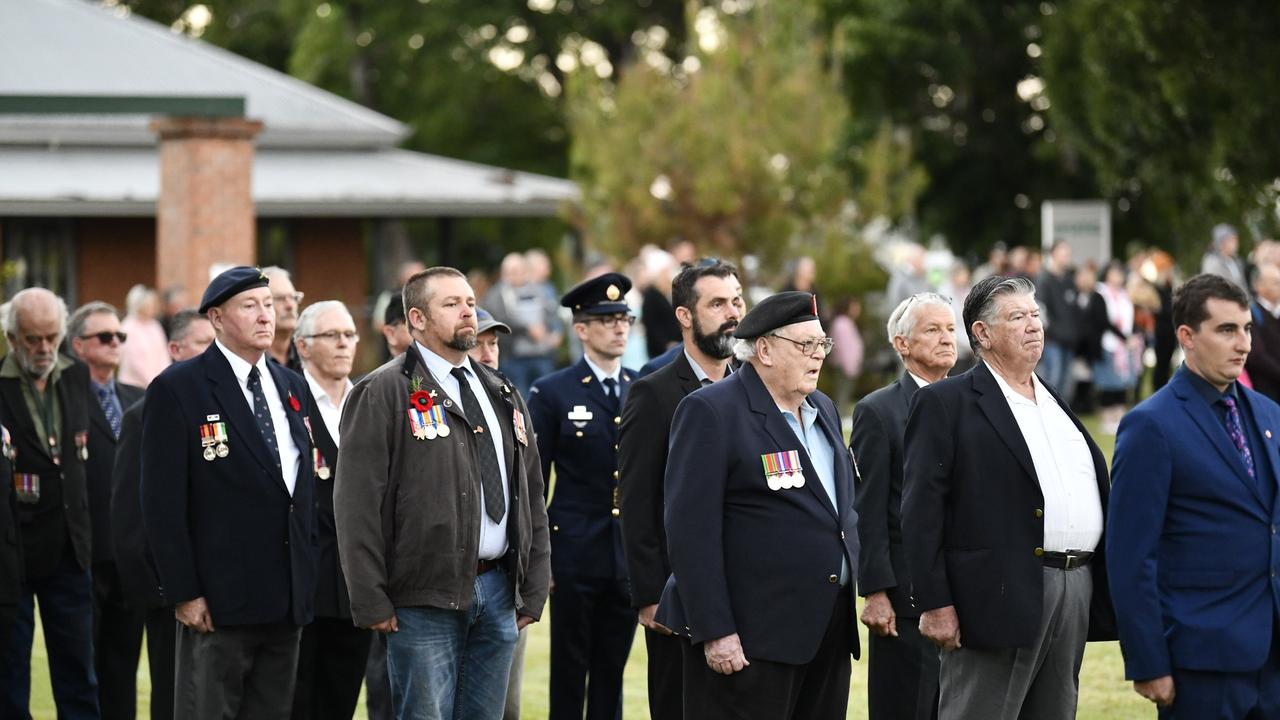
{"x":761,"y":403}
{"x":688,"y":378}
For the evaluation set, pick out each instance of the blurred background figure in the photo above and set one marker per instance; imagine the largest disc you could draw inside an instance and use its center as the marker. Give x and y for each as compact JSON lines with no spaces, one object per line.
{"x":995,"y":264}
{"x":147,"y":352}
{"x":957,"y":288}
{"x":661,"y":331}
{"x":1111,"y":313}
{"x":1221,"y":259}
{"x":1263,"y":363}
{"x":1159,"y":270}
{"x":804,"y":274}
{"x":533,"y":317}
{"x":174,"y":299}
{"x":849,"y":350}
{"x":287,"y":302}
{"x":1056,"y":294}
{"x":391,"y":296}
{"x":908,"y":278}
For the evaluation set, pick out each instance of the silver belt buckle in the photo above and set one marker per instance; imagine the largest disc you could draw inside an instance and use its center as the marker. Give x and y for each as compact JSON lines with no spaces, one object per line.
{"x":1071,"y":561}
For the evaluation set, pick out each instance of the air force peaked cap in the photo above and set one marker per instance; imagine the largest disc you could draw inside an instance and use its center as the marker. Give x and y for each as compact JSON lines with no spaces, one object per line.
{"x":775,"y":311}
{"x":604,"y":295}
{"x":230,"y":283}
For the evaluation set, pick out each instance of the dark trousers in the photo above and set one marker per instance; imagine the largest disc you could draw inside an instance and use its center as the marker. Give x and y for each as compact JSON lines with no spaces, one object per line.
{"x":377,"y":686}
{"x":66,"y":615}
{"x":243,"y":673}
{"x":666,"y":675}
{"x":117,"y":644}
{"x":331,"y":661}
{"x":1200,"y":695}
{"x":902,"y":675}
{"x":162,"y":633}
{"x":766,"y":690}
{"x":592,"y":628}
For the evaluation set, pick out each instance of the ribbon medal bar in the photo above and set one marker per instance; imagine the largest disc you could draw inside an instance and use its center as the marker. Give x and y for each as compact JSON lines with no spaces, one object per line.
{"x":782,"y":469}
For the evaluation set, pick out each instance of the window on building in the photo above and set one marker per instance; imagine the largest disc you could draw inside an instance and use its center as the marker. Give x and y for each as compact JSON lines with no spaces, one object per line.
{"x":39,"y":252}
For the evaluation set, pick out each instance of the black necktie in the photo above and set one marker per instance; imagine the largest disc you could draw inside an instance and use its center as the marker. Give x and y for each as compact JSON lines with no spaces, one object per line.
{"x":611,"y":392}
{"x":263,"y":414}
{"x":495,"y":503}
{"x":105,"y":396}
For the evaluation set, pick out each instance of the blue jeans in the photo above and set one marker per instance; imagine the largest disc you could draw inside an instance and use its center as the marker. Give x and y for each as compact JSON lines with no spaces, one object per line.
{"x":454,"y":664}
{"x":66,"y":614}
{"x":1055,"y":367}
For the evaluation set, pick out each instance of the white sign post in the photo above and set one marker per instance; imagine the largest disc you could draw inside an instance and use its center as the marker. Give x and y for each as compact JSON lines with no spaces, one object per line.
{"x":1084,"y":224}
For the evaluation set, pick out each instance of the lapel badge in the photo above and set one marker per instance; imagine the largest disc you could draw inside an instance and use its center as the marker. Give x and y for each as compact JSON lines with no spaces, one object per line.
{"x":213,"y":418}
{"x":1268,"y":433}
{"x":517,"y":421}
{"x":586,"y":380}
{"x":293,"y":402}
{"x":82,"y":445}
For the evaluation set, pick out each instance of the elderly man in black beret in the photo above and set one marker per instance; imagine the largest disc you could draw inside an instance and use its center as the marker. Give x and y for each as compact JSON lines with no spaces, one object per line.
{"x":228,"y":500}
{"x":761,"y":529}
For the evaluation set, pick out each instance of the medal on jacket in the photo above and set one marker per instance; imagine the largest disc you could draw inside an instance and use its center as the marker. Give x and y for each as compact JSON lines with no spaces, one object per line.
{"x":428,"y":425}
{"x":55,"y":453}
{"x":306,"y":420}
{"x":782,"y":470}
{"x":10,"y":452}
{"x":213,"y":438}
{"x":27,"y":487}
{"x":322,"y":468}
{"x":517,"y":420}
{"x":82,"y":445}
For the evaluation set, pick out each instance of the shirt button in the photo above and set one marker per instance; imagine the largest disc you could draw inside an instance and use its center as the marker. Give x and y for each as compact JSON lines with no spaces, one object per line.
{"x":579,"y":433}
{"x":833,"y":578}
{"x":1039,"y":513}
{"x":615,"y":512}
{"x":1039,"y":552}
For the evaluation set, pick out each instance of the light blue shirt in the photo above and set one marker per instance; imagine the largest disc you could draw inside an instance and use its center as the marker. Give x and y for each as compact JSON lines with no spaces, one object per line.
{"x":823,"y":458}
{"x":601,"y":375}
{"x":493,"y":535}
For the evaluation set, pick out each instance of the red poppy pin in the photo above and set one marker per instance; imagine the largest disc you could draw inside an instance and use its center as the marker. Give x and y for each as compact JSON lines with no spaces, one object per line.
{"x":293,"y":403}
{"x":419,"y":398}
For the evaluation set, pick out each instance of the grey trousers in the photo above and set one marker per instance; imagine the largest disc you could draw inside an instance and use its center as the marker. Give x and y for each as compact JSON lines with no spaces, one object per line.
{"x":234,"y":673}
{"x":1039,"y":682}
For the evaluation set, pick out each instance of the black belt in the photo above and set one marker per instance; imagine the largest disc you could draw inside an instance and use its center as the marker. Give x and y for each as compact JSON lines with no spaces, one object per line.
{"x":1069,"y":560}
{"x":484,"y":566}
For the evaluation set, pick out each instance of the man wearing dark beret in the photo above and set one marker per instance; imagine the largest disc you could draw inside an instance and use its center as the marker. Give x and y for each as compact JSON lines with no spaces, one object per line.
{"x":761,"y":529}
{"x":228,"y":500}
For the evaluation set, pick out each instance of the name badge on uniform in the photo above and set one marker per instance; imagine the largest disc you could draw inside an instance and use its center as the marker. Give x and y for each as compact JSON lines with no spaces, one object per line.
{"x":579,"y":416}
{"x":782,"y":470}
{"x":517,"y":420}
{"x":27,"y":486}
{"x":213,"y":439}
{"x":428,"y":425}
{"x":322,"y":469}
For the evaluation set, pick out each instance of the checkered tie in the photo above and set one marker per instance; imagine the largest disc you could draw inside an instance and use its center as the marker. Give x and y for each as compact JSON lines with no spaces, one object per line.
{"x":1236,"y":430}
{"x":495,"y":501}
{"x":106,"y":396}
{"x":262,"y":414}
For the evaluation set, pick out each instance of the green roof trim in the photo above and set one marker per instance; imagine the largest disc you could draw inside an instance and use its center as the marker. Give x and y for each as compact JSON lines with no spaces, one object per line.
{"x":171,"y":105}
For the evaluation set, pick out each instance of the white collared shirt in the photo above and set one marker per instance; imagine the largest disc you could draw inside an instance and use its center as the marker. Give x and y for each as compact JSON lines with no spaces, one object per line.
{"x":1273,"y":309}
{"x":601,"y":375}
{"x":1064,"y":468}
{"x":919,"y":380}
{"x":290,"y":456}
{"x":331,"y":414}
{"x":493,"y":535}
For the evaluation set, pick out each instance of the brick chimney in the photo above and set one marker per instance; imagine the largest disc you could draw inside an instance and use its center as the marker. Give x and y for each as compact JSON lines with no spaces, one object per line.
{"x":204,"y":213}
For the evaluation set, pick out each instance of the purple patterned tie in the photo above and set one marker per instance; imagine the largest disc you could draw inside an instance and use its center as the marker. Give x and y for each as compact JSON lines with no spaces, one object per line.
{"x":1236,"y":431}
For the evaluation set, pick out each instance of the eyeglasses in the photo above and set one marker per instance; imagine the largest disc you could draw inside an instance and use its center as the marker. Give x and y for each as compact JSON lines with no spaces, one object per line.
{"x":295,"y":296}
{"x":106,"y":337}
{"x":612,"y":321}
{"x":809,"y":348}
{"x":333,"y":335}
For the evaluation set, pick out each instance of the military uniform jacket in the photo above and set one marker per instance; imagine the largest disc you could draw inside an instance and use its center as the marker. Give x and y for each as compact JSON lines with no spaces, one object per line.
{"x":62,"y":511}
{"x":408,"y":510}
{"x":98,"y":468}
{"x":332,"y":600}
{"x":10,"y":542}
{"x":746,"y":558}
{"x":577,"y":429}
{"x":227,"y":529}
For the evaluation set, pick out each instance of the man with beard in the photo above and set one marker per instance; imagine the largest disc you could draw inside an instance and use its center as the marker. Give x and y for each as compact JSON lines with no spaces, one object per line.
{"x":902,"y":681}
{"x":45,"y":397}
{"x":441,"y":526}
{"x":576,"y":413}
{"x":287,"y":301}
{"x":708,"y":300}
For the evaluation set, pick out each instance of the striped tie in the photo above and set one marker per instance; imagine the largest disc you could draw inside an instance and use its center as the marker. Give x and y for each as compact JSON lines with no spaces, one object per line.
{"x":106,"y":397}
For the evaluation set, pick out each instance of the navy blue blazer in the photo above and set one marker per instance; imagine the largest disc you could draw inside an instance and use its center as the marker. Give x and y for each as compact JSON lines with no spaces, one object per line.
{"x":586,"y":538}
{"x":1193,"y":548}
{"x":227,"y":530}
{"x":745,"y":559}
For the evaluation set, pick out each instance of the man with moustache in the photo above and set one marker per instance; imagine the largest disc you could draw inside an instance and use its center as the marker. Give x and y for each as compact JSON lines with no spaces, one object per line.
{"x":1193,"y":552}
{"x":761,"y":529}
{"x":45,"y":396}
{"x":287,"y":302}
{"x":1003,"y":503}
{"x":228,"y":501}
{"x":333,"y":651}
{"x":902,"y":677}
{"x":96,"y":339}
{"x":190,"y":334}
{"x":709,"y":305}
{"x":441,"y":526}
{"x":576,"y":414}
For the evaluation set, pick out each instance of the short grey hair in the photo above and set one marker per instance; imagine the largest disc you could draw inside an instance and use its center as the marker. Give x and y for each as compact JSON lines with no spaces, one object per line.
{"x":981,"y":303}
{"x":138,"y":294}
{"x":79,"y":318}
{"x":10,"y":314}
{"x":417,"y":292}
{"x":273,"y":270}
{"x":744,"y":350}
{"x":902,"y":321}
{"x":309,"y":317}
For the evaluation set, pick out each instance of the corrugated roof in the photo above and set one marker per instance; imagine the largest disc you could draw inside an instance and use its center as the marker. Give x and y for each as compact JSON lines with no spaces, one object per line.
{"x":73,"y":47}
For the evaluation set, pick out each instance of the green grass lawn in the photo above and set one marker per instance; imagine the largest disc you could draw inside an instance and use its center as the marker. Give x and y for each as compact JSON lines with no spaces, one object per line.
{"x":1104,"y":695}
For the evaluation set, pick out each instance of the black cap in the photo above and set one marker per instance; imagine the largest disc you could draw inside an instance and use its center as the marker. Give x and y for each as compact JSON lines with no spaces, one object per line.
{"x":602,"y":295}
{"x":395,"y":310}
{"x":775,"y":311}
{"x":230,"y":283}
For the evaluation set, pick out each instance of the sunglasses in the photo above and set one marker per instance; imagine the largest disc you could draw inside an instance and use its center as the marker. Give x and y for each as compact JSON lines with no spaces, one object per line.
{"x":106,"y":337}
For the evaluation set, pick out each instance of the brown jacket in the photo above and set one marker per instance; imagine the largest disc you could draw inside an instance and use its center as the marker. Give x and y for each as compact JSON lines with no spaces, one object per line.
{"x":408,"y":511}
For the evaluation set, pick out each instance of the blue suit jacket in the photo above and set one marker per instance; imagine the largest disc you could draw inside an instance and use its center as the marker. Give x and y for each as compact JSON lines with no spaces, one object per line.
{"x":744,"y":558}
{"x":227,"y":529}
{"x":586,"y":540}
{"x":1191,"y":546}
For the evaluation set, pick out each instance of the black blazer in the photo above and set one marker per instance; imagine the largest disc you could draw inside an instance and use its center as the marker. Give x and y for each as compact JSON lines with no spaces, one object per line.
{"x":228,"y":530}
{"x":10,"y":542}
{"x":879,"y":422}
{"x":63,"y":509}
{"x":642,"y":462}
{"x":746,"y":558}
{"x":134,"y":562}
{"x":101,"y":462}
{"x":332,"y":599}
{"x":972,"y":514}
